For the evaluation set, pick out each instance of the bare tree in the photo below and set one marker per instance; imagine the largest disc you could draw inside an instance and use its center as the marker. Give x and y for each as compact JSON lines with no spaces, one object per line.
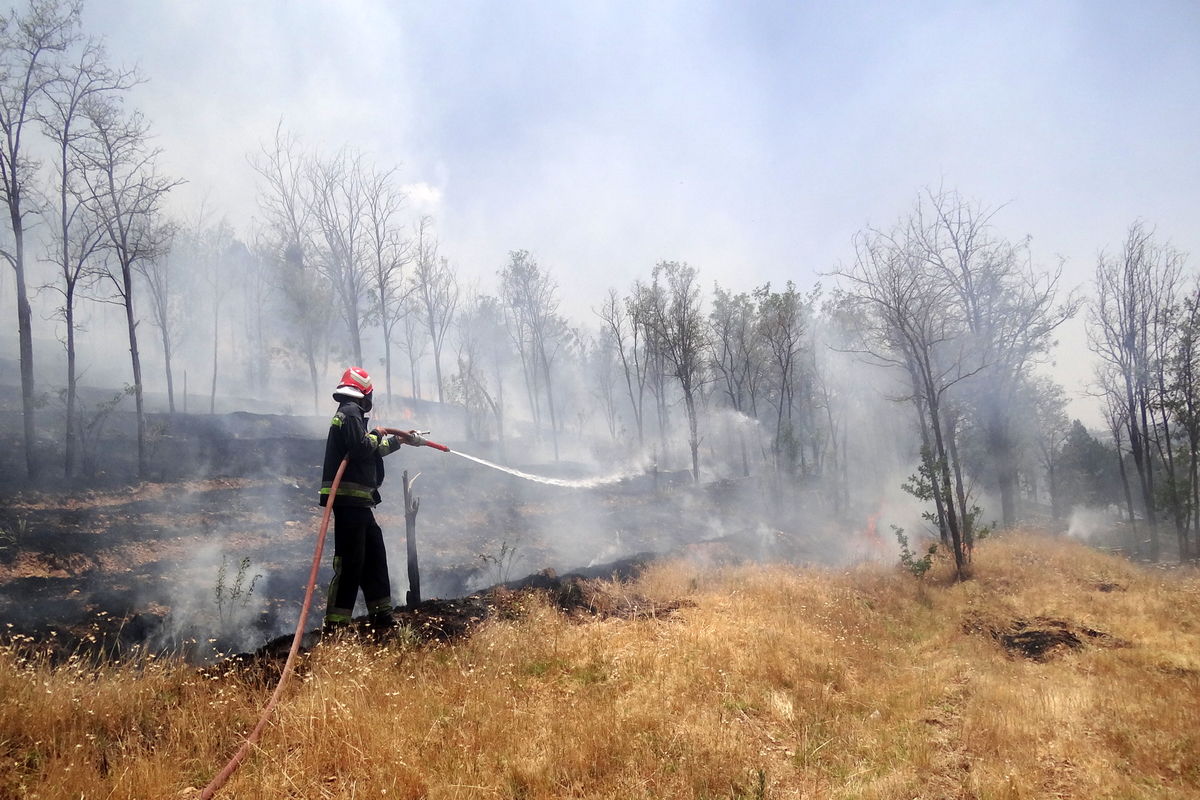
{"x":1111,"y":394}
{"x":160,"y":275}
{"x":388,"y":253}
{"x":518,"y":326}
{"x":285,"y":199}
{"x":646,"y":308}
{"x":834,"y":390}
{"x":738,"y":357}
{"x":435,"y":289}
{"x":604,"y":368}
{"x":479,"y":383}
{"x":29,"y":42}
{"x":1165,"y":333}
{"x":1009,"y":307}
{"x":530,"y":297}
{"x":1122,"y":326}
{"x":258,"y":293}
{"x":415,"y":343}
{"x":1184,"y":401}
{"x":126,"y":191}
{"x":909,"y":323}
{"x":679,"y":322}
{"x":339,"y":201}
{"x":1045,"y":402}
{"x":629,"y":342}
{"x":215,"y":252}
{"x":76,"y":233}
{"x":782,"y":323}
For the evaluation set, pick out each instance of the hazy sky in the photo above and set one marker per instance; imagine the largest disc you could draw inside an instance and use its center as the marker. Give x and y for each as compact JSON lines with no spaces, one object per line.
{"x":749,"y":139}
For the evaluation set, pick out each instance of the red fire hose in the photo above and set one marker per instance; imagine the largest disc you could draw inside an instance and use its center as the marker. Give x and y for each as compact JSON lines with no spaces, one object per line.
{"x":216,"y":783}
{"x":408,"y":437}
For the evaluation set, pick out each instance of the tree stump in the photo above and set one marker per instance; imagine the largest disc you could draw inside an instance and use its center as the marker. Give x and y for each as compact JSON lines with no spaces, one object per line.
{"x":411,"y":505}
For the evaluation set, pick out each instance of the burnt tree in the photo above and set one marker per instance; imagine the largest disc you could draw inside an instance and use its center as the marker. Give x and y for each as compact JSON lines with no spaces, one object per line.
{"x":126,"y":192}
{"x":29,"y":42}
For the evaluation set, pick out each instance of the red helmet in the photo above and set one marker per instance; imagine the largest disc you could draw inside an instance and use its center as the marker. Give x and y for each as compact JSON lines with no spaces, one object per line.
{"x":355,"y":383}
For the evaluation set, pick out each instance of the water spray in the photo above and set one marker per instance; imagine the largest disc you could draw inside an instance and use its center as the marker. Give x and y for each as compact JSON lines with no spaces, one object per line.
{"x":569,"y":483}
{"x":417,"y":439}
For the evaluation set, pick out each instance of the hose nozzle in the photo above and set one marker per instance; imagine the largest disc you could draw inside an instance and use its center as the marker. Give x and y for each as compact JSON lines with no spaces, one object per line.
{"x":416,"y":438}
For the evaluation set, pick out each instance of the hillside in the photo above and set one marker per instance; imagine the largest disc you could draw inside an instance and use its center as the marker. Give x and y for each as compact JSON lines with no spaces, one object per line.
{"x":1058,"y":671}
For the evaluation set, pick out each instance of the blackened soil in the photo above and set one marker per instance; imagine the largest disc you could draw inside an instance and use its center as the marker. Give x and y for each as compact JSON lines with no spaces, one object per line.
{"x":1041,"y":638}
{"x":111,"y":565}
{"x":595,"y":593}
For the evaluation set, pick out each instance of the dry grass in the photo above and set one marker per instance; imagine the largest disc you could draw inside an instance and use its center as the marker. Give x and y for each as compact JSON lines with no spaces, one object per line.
{"x":773,"y":682}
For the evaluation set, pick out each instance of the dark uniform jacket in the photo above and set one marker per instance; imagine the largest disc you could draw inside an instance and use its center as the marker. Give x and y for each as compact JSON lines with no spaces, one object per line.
{"x":348,"y":435}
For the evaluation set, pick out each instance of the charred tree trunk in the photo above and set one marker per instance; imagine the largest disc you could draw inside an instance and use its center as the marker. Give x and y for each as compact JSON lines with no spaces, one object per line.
{"x":928,"y":447}
{"x":550,"y":402}
{"x":437,"y":370}
{"x":968,"y":534}
{"x":1194,"y":489}
{"x":387,"y":367}
{"x":136,"y":359}
{"x":941,"y":473}
{"x":1135,"y":544}
{"x":25,"y":333}
{"x":693,"y":435}
{"x":414,"y":375}
{"x":72,"y":387}
{"x":411,"y":506}
{"x":356,"y":335}
{"x":212,"y":397}
{"x":312,"y":376}
{"x":166,"y":342}
{"x":1052,"y":489}
{"x":943,"y":476}
{"x":1006,"y":477}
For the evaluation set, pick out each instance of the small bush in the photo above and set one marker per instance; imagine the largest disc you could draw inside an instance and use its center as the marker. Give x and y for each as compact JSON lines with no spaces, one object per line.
{"x":908,"y":559}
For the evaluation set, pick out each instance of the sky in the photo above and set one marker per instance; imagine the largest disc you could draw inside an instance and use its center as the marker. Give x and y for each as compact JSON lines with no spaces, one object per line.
{"x":750,"y":139}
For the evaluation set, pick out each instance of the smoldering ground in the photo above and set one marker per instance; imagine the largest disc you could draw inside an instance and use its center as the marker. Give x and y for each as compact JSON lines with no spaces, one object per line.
{"x":172,"y":566}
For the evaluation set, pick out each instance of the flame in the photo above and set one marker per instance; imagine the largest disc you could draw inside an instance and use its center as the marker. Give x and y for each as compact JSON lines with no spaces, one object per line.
{"x":870,"y":544}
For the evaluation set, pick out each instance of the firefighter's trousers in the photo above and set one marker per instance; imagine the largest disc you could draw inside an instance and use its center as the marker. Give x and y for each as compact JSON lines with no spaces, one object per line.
{"x":359,"y":562}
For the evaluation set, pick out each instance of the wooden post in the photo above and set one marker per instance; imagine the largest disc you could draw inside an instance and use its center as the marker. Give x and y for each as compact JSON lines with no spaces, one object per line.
{"x":411,"y":505}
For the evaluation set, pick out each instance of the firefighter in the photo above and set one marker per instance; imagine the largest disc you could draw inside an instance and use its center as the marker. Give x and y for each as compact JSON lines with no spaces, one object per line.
{"x":359,"y":558}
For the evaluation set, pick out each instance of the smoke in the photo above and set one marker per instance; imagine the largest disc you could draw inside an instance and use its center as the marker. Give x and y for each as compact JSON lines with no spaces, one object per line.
{"x":219,"y":600}
{"x":1091,"y":523}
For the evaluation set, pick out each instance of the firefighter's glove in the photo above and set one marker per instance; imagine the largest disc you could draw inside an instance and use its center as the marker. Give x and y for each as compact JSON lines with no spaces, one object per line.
{"x":414,"y":439}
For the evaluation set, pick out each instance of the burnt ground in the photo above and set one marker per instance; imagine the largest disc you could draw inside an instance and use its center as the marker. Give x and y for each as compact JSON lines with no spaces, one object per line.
{"x":1040,"y":638}
{"x":588,"y":594}
{"x":107,"y":563}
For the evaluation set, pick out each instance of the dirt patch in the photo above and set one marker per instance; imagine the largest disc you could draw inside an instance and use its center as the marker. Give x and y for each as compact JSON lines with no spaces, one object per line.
{"x":1040,"y":638}
{"x":45,"y":565}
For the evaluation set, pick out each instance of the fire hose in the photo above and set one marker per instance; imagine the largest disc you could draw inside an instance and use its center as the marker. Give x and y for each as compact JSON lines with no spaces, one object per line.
{"x":413,"y":438}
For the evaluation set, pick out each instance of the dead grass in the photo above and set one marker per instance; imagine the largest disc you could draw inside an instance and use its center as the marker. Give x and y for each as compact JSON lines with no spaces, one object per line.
{"x":769,"y":682}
